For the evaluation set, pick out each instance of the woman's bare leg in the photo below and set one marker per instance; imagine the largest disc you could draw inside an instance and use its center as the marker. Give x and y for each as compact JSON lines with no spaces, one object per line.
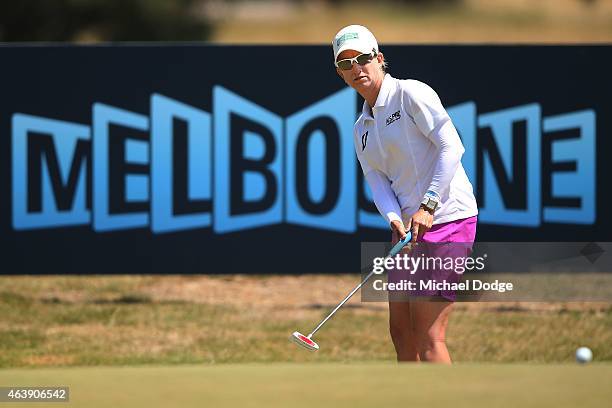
{"x":402,"y":331}
{"x":430,"y":320}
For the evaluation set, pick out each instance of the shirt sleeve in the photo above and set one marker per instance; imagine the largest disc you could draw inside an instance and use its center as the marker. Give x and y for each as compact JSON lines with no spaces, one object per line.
{"x":425,"y":108}
{"x":383,"y":195}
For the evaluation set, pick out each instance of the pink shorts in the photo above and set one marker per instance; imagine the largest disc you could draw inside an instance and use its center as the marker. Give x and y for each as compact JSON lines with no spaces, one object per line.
{"x":452,"y":239}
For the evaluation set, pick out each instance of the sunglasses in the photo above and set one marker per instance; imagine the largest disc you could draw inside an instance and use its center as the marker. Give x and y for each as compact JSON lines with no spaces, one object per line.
{"x":361,"y":59}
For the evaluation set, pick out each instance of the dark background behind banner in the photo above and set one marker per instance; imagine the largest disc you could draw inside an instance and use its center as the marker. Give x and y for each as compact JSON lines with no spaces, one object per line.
{"x":63,"y":82}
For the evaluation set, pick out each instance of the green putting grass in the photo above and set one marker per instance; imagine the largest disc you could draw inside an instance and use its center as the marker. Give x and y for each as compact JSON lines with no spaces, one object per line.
{"x":325,"y":385}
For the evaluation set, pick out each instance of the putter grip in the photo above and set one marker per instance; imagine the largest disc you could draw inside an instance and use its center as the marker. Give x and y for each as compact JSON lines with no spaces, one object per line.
{"x":401,"y":244}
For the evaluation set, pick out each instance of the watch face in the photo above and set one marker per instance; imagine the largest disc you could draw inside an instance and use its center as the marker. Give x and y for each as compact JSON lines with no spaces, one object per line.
{"x":429,"y":204}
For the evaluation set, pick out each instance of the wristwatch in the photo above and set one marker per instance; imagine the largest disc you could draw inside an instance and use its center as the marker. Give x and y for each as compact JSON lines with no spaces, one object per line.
{"x":430,"y":202}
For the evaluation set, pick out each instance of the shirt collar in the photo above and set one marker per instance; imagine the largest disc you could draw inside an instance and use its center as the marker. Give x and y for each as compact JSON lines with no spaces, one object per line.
{"x":383,"y":96}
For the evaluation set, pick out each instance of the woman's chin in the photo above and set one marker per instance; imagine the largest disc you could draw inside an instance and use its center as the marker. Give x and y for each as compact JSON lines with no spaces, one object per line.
{"x":362,"y":84}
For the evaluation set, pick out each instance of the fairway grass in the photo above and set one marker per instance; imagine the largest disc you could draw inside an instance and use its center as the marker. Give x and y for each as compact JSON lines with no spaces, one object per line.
{"x":52,"y":321}
{"x":469,"y":21}
{"x":326,"y":385}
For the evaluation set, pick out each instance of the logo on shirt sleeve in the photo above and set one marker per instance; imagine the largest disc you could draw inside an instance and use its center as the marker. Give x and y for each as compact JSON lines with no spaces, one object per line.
{"x":395,"y":116}
{"x":364,"y":140}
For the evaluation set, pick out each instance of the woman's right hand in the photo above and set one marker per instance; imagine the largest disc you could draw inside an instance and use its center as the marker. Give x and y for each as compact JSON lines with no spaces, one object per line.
{"x":398,"y":231}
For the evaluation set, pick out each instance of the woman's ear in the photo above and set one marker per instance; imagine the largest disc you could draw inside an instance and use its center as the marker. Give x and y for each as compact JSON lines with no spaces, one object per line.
{"x":339,"y":73}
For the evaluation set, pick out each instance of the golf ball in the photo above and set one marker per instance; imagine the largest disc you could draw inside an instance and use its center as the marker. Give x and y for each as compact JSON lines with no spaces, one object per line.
{"x":584,"y":355}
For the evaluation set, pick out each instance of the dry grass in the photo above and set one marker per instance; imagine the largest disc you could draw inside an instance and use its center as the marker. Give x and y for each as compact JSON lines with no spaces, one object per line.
{"x":475,"y":21}
{"x":109,"y":320}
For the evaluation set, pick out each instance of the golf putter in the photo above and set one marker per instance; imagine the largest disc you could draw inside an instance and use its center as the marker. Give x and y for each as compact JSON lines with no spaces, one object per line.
{"x":306,"y":341}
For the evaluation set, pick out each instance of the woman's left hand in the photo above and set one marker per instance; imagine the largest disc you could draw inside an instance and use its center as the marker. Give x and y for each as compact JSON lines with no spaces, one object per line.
{"x":421,"y":222}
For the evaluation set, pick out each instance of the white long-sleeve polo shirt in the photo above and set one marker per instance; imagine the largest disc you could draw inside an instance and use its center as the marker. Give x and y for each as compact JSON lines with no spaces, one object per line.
{"x":407,"y":145}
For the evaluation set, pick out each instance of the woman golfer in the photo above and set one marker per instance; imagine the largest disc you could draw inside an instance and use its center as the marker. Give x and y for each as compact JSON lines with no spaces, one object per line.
{"x":410,"y":154}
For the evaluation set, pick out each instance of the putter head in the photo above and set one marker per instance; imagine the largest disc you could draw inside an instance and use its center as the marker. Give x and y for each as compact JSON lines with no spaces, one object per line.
{"x":303,"y":341}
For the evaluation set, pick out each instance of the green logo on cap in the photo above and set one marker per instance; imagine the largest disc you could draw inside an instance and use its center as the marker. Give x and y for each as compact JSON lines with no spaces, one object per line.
{"x":345,"y":37}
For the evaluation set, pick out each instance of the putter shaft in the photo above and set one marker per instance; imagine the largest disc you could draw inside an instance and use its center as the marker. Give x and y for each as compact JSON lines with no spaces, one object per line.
{"x":341,"y":303}
{"x":394,"y":251}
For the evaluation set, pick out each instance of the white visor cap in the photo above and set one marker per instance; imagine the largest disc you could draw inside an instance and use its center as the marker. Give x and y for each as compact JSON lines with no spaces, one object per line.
{"x":354,"y":37}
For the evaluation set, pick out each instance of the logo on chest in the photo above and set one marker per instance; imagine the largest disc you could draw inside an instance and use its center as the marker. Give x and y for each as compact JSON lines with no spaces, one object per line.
{"x":364,"y":141}
{"x":394,"y":116}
